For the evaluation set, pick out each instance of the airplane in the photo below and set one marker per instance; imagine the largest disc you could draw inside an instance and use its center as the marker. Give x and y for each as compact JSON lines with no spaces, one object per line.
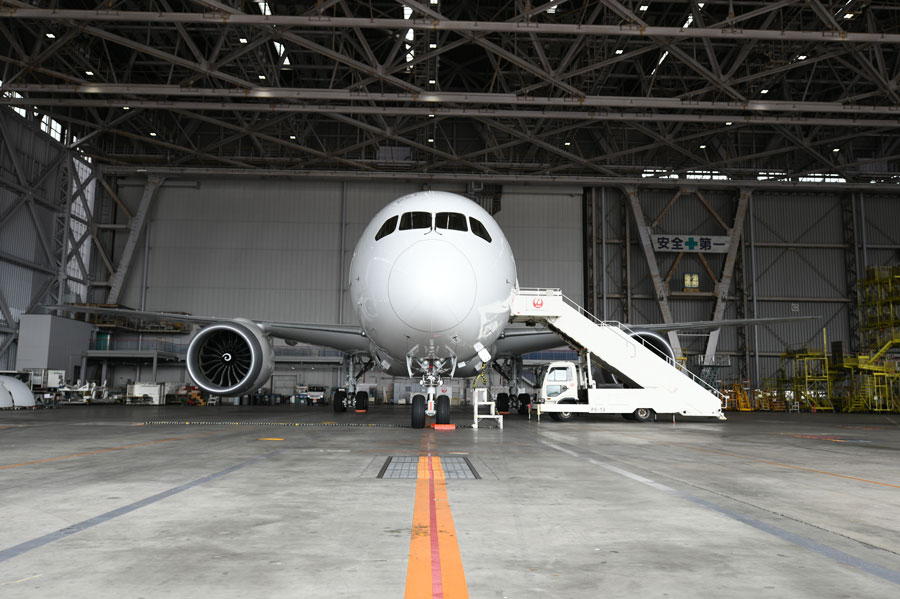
{"x":431,"y":281}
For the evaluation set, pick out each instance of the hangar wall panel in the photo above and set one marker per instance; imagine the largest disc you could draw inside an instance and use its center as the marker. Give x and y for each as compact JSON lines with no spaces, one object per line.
{"x":19,"y":237}
{"x":544,"y":229}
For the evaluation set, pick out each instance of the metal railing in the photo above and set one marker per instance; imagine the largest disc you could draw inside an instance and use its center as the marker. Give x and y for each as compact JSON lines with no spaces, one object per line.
{"x":542,"y":292}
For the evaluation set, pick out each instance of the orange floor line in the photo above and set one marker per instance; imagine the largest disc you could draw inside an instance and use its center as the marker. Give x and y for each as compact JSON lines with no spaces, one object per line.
{"x":435,"y":565}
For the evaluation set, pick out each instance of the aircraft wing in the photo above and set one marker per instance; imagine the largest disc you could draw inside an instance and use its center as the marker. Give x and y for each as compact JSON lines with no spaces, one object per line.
{"x":518,"y":341}
{"x":346,"y":338}
{"x":709,"y":325}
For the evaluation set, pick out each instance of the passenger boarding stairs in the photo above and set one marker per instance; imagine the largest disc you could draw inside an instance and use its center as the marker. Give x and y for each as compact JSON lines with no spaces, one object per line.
{"x":613,"y":345}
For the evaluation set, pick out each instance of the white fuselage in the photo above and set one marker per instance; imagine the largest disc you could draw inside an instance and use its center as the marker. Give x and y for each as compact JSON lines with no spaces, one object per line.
{"x":426,"y":291}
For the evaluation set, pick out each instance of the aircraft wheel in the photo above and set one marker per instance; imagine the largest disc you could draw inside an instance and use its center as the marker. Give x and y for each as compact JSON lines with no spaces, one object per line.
{"x":643,"y":414}
{"x":418,"y":411}
{"x":362,"y":400}
{"x":339,"y":396}
{"x":443,"y":410}
{"x":503,"y":402}
{"x":524,"y":400}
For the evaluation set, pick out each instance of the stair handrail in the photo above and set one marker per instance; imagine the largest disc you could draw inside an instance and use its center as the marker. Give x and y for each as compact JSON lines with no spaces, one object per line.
{"x":553,"y":292}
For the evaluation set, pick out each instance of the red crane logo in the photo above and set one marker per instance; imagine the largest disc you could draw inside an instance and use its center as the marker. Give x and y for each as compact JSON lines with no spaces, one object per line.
{"x":537,"y":303}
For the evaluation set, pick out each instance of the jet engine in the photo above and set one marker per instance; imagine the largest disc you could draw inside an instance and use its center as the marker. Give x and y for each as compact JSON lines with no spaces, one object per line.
{"x":230,"y":358}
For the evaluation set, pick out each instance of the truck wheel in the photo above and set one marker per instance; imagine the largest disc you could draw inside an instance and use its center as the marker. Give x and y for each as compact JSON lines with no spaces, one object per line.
{"x":362,"y":400}
{"x":524,"y":400}
{"x":643,"y":414}
{"x":562,"y":416}
{"x":443,"y":410}
{"x":339,"y":396}
{"x":503,"y":403}
{"x":418,"y":411}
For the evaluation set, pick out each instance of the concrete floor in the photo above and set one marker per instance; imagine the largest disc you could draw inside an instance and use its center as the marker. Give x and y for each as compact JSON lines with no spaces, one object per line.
{"x":97,"y":504}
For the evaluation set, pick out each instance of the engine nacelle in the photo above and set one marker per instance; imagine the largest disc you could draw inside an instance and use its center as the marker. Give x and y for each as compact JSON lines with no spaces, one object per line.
{"x":230,"y":358}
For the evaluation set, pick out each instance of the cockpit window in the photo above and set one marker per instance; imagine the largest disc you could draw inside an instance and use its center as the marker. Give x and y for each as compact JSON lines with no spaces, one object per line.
{"x":415,"y":220}
{"x":451,"y":220}
{"x":479,"y":229}
{"x":387,"y":228}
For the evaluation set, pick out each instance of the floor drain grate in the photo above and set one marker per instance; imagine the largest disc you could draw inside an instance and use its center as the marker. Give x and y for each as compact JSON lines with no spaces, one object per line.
{"x":406,"y":467}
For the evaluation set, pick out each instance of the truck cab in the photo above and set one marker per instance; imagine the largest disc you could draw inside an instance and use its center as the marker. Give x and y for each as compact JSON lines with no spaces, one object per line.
{"x":560,"y":382}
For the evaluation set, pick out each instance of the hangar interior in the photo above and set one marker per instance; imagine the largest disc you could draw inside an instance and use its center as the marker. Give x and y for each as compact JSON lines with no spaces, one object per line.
{"x":658,"y":162}
{"x":172,"y":160}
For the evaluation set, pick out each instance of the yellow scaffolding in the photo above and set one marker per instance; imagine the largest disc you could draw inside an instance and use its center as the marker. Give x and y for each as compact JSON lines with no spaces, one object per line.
{"x":810,"y":378}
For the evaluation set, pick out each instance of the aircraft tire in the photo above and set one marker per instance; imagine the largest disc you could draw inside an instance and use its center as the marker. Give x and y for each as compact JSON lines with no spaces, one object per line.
{"x":418,"y":411}
{"x":643,"y":414}
{"x":443,"y":410}
{"x":524,"y":400}
{"x":503,"y":402}
{"x":362,"y":400}
{"x":339,"y":396}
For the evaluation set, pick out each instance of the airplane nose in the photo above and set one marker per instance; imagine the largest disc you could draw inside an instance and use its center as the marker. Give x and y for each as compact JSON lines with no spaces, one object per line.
{"x":432,"y":286}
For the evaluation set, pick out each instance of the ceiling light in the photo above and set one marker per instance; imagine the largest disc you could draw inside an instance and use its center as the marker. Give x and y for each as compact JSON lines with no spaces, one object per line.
{"x":431,"y":116}
{"x":293,"y":137}
{"x":152,"y":134}
{"x":126,"y":108}
{"x":50,"y":36}
{"x":644,"y":7}
{"x":765,"y":91}
{"x":703,"y":147}
{"x":434,"y":1}
{"x":243,"y":40}
{"x":432,"y":46}
{"x":262,"y":76}
{"x":89,"y":73}
{"x":619,"y":51}
{"x":432,"y":81}
{"x":431,"y":140}
{"x":801,"y":57}
{"x":849,"y":15}
{"x":836,"y":150}
{"x":701,"y":4}
{"x":568,"y":143}
{"x":728,"y":123}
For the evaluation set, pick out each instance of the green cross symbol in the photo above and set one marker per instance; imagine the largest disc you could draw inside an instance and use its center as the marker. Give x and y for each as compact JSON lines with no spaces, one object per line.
{"x":690,"y":243}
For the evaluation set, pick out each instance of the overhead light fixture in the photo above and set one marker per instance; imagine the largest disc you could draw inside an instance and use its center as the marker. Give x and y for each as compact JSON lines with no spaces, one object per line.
{"x":243,"y":40}
{"x":764,"y":92}
{"x":434,"y":1}
{"x":293,"y":137}
{"x":431,"y":81}
{"x":432,"y":46}
{"x":568,"y":143}
{"x":619,"y":51}
{"x":836,"y":150}
{"x":644,"y":7}
{"x":701,"y":4}
{"x":126,"y":108}
{"x":728,"y":123}
{"x":89,"y":73}
{"x":152,"y":134}
{"x":703,"y":147}
{"x":431,"y":116}
{"x":50,"y":36}
{"x":849,"y":15}
{"x":431,"y":140}
{"x":802,"y":57}
{"x":262,"y":76}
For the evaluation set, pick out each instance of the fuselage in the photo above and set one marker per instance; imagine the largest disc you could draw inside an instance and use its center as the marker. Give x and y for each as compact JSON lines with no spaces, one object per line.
{"x":430,"y":280}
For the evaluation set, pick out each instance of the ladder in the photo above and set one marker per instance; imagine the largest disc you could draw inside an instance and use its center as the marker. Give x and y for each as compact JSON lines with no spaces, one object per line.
{"x":614,"y":346}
